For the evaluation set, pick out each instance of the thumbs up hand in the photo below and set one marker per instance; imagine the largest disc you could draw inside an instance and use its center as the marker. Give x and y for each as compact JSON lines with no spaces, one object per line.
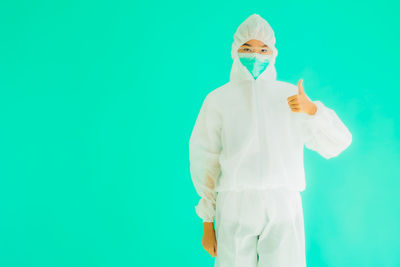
{"x":300,"y":102}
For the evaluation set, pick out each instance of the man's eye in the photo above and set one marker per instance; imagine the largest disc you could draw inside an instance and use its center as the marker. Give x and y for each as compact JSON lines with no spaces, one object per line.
{"x":246,"y":49}
{"x":264,"y":50}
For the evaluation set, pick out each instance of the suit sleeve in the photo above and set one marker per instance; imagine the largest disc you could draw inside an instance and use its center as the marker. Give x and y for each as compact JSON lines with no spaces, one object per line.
{"x":204,"y":151}
{"x":324,"y":132}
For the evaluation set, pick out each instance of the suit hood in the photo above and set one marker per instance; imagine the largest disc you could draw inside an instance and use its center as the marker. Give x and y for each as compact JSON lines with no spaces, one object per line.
{"x":254,"y":27}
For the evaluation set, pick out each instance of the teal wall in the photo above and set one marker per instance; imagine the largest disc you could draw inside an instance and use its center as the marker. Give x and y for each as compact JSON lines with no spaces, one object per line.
{"x":98,"y":100}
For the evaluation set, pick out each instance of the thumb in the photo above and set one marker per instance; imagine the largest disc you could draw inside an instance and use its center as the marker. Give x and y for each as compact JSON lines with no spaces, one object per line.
{"x":301,"y":89}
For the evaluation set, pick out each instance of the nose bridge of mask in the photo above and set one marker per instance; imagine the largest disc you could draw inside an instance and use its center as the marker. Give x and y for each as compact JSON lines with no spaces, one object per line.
{"x":256,"y":63}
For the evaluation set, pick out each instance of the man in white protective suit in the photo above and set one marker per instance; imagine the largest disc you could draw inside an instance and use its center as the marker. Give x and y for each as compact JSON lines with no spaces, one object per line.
{"x":246,"y":157}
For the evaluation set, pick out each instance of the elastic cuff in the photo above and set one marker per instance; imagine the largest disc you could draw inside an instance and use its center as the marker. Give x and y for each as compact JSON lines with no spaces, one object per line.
{"x":205,"y":213}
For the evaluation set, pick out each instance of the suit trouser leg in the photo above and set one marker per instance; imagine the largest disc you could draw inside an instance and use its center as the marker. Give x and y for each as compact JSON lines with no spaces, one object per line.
{"x":282,"y":242}
{"x":238,"y":223}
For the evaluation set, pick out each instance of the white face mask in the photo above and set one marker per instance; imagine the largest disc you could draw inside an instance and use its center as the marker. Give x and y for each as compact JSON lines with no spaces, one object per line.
{"x":256,"y":63}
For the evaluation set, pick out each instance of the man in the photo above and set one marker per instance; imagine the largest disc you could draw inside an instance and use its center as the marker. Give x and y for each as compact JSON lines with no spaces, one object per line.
{"x":246,"y":156}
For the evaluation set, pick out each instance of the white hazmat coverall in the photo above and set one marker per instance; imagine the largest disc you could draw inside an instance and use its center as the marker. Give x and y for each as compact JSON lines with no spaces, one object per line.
{"x":246,"y":161}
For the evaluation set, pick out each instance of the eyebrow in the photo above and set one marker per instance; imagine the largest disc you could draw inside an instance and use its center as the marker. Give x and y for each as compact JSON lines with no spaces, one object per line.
{"x":250,"y":45}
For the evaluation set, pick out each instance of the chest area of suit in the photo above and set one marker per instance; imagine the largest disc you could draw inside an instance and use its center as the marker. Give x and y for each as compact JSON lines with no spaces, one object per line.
{"x":261,"y":103}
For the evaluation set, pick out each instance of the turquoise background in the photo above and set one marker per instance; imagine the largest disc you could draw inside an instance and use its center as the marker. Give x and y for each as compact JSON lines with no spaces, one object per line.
{"x":98,"y":100}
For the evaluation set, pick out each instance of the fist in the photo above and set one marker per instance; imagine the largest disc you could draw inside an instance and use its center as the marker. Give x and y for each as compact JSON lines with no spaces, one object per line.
{"x":301,"y":102}
{"x":209,"y":241}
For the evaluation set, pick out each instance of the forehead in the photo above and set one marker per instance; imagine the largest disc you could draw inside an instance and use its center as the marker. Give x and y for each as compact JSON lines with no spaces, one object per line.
{"x":254,"y":42}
